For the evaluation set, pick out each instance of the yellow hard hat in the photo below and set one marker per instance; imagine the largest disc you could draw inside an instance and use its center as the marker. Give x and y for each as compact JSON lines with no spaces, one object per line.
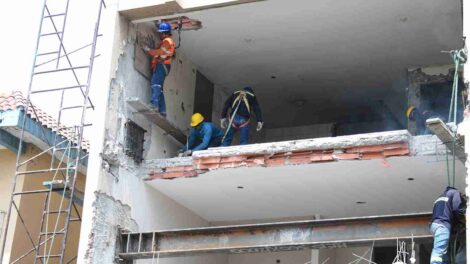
{"x":196,"y":119}
{"x":409,"y":111}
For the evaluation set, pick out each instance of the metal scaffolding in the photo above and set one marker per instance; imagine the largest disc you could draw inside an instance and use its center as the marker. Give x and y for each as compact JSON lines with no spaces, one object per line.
{"x":60,"y":79}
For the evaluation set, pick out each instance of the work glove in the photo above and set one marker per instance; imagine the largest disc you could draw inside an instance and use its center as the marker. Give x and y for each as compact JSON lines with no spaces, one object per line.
{"x":223,"y":123}
{"x":180,"y":153}
{"x":145,"y":48}
{"x":259,"y":126}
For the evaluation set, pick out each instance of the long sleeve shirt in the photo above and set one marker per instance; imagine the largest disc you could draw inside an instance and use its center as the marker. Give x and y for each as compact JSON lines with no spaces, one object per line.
{"x":243,"y":110}
{"x":205,"y":133}
{"x":448,"y":208}
{"x":163,"y":53}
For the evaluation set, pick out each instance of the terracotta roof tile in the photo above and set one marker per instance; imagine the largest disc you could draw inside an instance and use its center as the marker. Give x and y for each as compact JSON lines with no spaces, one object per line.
{"x":15,"y":100}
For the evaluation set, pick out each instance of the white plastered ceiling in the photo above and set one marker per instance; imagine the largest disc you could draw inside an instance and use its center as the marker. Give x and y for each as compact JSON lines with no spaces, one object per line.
{"x":337,"y":56}
{"x":331,"y":190}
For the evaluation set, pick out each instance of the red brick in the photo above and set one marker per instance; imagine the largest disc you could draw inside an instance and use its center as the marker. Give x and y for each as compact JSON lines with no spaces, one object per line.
{"x":233,"y":159}
{"x":372,"y":155}
{"x":347,"y":156}
{"x":396,"y":145}
{"x":396,"y":152}
{"x":179,"y":168}
{"x":207,"y":166}
{"x":276,"y":162}
{"x":366,"y":149}
{"x":321,"y":157}
{"x":172,"y":175}
{"x":210,"y":160}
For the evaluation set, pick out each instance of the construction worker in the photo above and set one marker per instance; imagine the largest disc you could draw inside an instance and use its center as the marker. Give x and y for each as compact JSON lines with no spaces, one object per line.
{"x":448,"y":212}
{"x":207,"y":133}
{"x":241,"y":103}
{"x":161,"y":65}
{"x":420,"y":116}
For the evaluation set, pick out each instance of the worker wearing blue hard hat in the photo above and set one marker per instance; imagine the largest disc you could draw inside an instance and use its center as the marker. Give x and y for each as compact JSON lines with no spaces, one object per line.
{"x":241,"y":104}
{"x":161,"y":65}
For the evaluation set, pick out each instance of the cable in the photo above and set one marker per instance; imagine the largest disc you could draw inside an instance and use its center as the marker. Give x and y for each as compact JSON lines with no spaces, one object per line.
{"x":459,"y":57}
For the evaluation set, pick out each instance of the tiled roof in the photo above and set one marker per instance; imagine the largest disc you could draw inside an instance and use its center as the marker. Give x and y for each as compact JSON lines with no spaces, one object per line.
{"x":15,"y":100}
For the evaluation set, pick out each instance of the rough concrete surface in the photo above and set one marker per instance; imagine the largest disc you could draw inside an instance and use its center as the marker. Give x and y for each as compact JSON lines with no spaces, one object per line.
{"x":308,"y":144}
{"x":109,"y":217}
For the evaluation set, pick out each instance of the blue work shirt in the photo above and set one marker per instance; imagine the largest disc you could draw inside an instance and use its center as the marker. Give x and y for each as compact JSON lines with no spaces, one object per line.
{"x":448,"y":208}
{"x":207,"y":133}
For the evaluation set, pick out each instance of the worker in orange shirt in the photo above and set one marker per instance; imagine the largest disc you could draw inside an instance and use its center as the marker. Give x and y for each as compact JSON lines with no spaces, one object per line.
{"x":161,"y":65}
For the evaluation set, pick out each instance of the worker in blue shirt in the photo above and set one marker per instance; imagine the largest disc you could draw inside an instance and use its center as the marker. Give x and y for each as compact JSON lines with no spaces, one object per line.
{"x":207,"y":133}
{"x":241,"y":104}
{"x":449,"y":210}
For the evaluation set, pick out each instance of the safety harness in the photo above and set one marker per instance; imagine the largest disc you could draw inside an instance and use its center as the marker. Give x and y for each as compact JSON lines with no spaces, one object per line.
{"x":241,"y":97}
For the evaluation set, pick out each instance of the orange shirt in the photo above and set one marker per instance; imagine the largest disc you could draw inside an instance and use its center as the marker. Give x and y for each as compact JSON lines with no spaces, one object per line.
{"x":164,"y":52}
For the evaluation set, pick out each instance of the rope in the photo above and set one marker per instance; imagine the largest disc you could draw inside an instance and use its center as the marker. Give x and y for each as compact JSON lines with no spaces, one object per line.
{"x":459,"y":57}
{"x":231,"y":120}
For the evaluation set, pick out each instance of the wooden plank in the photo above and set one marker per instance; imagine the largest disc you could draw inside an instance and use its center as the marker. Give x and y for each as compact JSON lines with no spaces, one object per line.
{"x":157,"y":119}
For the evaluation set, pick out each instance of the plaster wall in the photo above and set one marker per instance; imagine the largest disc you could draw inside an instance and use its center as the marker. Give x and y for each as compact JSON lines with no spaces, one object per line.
{"x":135,"y":205}
{"x":179,"y":90}
{"x":7,"y":167}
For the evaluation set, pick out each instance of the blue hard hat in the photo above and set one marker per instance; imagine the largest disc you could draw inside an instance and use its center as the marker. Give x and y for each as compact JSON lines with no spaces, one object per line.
{"x":164,"y":27}
{"x":248,"y":89}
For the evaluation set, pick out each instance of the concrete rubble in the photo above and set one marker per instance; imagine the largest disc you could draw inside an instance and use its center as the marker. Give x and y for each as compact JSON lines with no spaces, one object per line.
{"x":110,"y":216}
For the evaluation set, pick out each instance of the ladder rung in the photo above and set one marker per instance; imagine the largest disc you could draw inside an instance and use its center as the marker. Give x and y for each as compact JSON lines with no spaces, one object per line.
{"x":55,"y":15}
{"x":55,"y":212}
{"x":52,"y":233}
{"x":31,"y":192}
{"x":60,"y":149}
{"x":52,"y":33}
{"x":63,"y":69}
{"x":49,"y":256}
{"x":75,"y":107}
{"x":75,"y":219}
{"x":58,"y":89}
{"x":47,"y":53}
{"x":43,"y":171}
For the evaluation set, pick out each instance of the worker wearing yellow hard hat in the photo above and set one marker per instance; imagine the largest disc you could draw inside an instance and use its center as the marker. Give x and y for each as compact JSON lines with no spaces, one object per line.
{"x":206,"y":133}
{"x":419,"y":116}
{"x":410,"y":113}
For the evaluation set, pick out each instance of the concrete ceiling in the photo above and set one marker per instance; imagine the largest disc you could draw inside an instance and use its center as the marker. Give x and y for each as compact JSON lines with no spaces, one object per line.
{"x":337,"y":55}
{"x":329,"y":189}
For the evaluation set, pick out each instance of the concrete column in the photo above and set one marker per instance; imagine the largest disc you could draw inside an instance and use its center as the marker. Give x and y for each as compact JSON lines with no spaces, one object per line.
{"x":465,"y":126}
{"x":100,"y":87}
{"x":315,"y":259}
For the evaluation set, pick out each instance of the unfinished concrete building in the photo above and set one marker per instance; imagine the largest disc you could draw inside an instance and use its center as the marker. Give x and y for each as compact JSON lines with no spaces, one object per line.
{"x":337,"y":175}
